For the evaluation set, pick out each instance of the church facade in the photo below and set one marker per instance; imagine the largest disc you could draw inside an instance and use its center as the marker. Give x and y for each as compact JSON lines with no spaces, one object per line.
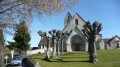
{"x":76,"y":41}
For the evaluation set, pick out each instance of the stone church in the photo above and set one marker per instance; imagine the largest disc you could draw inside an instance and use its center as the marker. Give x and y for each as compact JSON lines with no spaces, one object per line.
{"x":77,"y":41}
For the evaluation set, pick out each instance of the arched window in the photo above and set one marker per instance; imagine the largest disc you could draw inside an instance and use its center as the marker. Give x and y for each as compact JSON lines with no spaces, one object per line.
{"x":76,"y":21}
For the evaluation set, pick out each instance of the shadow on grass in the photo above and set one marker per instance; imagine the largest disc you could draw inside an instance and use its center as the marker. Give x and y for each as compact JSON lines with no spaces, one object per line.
{"x":60,"y":60}
{"x":71,"y":53}
{"x":73,"y":57}
{"x":37,"y":58}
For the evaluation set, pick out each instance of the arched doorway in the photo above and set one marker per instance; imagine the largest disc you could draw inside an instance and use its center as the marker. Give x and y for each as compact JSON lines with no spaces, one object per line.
{"x":77,"y":43}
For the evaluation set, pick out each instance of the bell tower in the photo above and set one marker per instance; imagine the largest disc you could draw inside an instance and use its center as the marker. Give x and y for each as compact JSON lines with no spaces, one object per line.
{"x":67,"y":19}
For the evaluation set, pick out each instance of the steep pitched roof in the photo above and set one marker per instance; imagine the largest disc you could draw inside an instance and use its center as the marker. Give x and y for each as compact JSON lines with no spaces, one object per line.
{"x":68,"y":14}
{"x":84,"y":22}
{"x":43,"y":41}
{"x":80,"y":17}
{"x":112,"y":38}
{"x":106,"y":40}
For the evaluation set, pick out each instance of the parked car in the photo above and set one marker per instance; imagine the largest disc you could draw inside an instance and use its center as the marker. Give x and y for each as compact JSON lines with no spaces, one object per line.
{"x":17,"y":60}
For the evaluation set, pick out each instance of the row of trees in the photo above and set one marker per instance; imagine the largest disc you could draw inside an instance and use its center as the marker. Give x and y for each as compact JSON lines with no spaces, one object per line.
{"x":56,"y":39}
{"x":57,"y":36}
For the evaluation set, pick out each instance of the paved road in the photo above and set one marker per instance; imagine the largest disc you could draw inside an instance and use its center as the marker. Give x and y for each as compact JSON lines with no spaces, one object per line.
{"x":24,"y":64}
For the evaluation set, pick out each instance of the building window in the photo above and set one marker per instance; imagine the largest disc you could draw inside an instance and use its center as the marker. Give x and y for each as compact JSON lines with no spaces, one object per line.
{"x":109,"y":45}
{"x":68,"y":18}
{"x":39,"y":46}
{"x":43,"y":46}
{"x":118,"y":44}
{"x":76,"y":21}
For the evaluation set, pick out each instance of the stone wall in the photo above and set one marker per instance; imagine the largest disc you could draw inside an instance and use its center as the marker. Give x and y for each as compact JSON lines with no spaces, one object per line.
{"x":31,"y":63}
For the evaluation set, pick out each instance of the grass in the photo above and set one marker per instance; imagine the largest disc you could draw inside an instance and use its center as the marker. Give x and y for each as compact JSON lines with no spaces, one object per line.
{"x":107,"y":58}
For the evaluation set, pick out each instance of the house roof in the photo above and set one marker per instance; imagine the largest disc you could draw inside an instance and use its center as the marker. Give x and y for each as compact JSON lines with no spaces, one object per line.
{"x":108,"y":40}
{"x":113,"y":38}
{"x":43,"y":41}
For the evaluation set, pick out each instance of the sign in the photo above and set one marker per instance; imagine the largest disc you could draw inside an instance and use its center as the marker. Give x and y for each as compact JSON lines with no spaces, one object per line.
{"x":6,"y":57}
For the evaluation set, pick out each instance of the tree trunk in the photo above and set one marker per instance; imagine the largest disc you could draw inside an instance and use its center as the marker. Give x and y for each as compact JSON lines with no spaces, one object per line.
{"x":88,"y":45}
{"x":54,"y":49}
{"x":62,"y":46}
{"x":48,"y":51}
{"x":58,"y":48}
{"x":19,"y":52}
{"x":92,"y":52}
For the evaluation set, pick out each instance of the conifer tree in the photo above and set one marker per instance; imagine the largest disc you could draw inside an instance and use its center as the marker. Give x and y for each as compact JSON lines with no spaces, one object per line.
{"x":22,"y":37}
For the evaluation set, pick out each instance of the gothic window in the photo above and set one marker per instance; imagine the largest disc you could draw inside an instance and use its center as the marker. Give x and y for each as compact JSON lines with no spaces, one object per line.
{"x":76,"y":21}
{"x":68,"y":17}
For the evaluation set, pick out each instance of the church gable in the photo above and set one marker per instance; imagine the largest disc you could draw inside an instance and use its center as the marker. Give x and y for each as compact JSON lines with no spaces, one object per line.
{"x":76,"y":31}
{"x":67,"y":19}
{"x":80,"y":21}
{"x":76,"y":20}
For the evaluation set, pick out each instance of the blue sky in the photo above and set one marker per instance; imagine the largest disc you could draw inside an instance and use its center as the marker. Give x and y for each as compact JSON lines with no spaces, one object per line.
{"x":106,"y":12}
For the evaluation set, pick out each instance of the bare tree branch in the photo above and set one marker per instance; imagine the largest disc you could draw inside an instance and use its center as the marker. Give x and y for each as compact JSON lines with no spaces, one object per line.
{"x":9,"y":8}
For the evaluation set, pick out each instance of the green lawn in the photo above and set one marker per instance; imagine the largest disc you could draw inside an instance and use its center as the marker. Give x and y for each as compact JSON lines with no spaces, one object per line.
{"x":107,"y":58}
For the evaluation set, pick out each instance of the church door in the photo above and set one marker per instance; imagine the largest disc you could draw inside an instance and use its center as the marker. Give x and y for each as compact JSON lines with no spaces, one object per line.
{"x":77,"y":47}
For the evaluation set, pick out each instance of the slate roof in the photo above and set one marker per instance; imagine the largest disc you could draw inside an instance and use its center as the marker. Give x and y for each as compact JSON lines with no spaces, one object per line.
{"x":108,"y":40}
{"x":113,"y":38}
{"x":43,"y":41}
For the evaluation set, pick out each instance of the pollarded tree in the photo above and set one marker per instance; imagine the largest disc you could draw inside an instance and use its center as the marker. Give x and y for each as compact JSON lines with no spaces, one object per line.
{"x":44,"y":35}
{"x":22,"y":37}
{"x":53,"y":33}
{"x":91,"y":31}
